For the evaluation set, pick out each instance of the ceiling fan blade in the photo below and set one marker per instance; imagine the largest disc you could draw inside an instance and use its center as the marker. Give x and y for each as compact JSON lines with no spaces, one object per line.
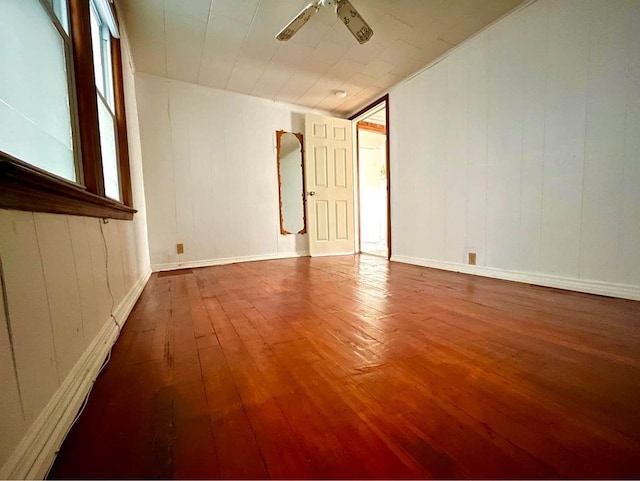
{"x":296,"y":24}
{"x":354,"y":22}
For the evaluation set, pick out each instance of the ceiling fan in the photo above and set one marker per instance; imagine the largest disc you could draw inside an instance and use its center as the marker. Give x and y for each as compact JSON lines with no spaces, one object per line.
{"x":345,"y":11}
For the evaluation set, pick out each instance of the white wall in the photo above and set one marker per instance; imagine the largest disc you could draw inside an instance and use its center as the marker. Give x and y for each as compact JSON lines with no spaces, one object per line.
{"x":523,"y":145}
{"x":210,"y":173}
{"x":55,"y":279}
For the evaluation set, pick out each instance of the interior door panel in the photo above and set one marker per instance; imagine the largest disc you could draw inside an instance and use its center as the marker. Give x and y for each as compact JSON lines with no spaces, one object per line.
{"x":329,"y":185}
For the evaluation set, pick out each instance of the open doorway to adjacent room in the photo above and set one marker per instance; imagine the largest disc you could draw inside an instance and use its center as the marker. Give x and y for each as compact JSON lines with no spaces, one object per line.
{"x":373,"y":181}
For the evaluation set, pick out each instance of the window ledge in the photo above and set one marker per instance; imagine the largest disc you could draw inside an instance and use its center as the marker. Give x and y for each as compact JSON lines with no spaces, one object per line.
{"x":24,"y":187}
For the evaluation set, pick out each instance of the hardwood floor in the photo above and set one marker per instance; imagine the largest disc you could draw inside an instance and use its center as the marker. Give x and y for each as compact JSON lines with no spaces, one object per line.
{"x":353,"y":367}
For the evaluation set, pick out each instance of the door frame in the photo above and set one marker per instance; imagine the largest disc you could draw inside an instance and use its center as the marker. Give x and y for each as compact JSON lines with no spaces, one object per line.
{"x":354,"y":120}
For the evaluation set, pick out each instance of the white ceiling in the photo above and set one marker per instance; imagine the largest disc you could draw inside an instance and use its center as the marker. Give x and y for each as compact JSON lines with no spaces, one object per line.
{"x":231,"y":45}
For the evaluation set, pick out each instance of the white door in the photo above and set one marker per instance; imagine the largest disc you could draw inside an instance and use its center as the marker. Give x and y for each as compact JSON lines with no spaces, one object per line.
{"x":329,"y":185}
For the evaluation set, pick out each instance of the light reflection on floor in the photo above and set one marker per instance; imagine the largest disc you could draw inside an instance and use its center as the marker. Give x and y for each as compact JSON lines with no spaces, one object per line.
{"x":374,"y":248}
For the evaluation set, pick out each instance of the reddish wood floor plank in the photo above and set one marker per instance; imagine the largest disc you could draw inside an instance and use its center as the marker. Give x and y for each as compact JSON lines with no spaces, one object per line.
{"x":353,"y":367}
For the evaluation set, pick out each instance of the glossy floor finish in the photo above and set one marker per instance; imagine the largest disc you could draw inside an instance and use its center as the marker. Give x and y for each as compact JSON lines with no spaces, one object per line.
{"x":353,"y":367}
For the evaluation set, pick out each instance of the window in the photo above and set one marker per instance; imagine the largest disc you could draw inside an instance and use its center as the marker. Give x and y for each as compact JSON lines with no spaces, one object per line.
{"x":61,"y":9}
{"x":103,"y":70}
{"x":63,"y":145}
{"x":35,"y":115}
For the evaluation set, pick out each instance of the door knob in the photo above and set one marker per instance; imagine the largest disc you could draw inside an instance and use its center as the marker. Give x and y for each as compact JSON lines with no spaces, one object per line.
{"x":311,"y":193}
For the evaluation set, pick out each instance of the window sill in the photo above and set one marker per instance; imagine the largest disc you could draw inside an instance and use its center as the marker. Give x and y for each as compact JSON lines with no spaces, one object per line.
{"x":24,"y":187}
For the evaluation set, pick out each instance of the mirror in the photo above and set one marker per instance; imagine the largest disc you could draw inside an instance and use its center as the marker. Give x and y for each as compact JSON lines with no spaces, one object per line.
{"x":291,"y":182}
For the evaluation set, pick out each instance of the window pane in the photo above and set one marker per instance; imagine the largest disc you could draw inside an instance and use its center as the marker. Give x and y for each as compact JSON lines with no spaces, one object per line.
{"x":96,"y":46}
{"x":35,"y":117}
{"x":109,"y":152}
{"x":101,"y":46}
{"x":61,"y":10}
{"x":107,"y":68}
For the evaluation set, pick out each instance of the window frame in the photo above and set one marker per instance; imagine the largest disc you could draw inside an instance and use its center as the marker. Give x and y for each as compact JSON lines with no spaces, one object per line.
{"x":26,"y":187}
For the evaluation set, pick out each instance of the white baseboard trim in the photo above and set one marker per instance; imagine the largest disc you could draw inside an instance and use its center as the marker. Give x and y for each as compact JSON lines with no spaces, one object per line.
{"x":333,"y":254}
{"x":624,"y":291}
{"x":37,"y":451}
{"x":171,"y":266}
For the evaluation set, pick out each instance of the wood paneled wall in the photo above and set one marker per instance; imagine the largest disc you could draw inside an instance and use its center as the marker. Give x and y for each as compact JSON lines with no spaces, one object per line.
{"x":527,"y":150}
{"x":55,"y":279}
{"x":210,"y":172}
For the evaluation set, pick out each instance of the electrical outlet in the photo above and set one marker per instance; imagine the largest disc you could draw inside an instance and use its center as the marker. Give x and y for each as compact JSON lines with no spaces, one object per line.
{"x":472,"y":258}
{"x":180,"y":248}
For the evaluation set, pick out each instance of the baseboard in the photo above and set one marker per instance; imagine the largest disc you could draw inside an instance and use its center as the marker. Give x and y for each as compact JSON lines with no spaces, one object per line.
{"x":333,"y":254}
{"x":37,"y":451}
{"x":624,"y":291}
{"x":171,"y":266}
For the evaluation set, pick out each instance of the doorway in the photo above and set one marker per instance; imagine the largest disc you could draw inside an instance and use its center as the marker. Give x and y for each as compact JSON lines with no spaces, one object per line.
{"x":373,"y":180}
